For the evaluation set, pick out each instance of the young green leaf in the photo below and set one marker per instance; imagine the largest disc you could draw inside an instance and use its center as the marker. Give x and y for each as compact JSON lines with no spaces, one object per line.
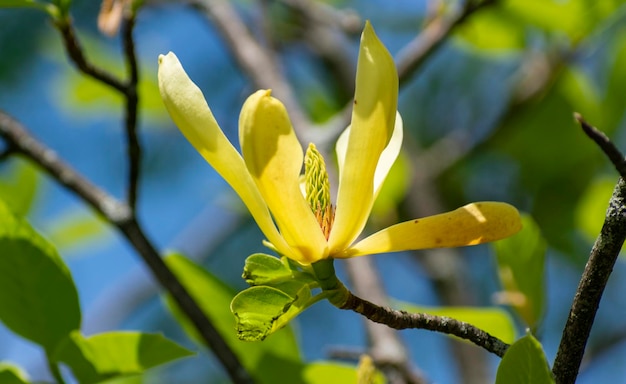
{"x":521,"y":264}
{"x":114,"y":354}
{"x":38,"y":299}
{"x":272,"y":361}
{"x":261,"y":269}
{"x":257,"y":309}
{"x":524,"y":362}
{"x":262,"y":310}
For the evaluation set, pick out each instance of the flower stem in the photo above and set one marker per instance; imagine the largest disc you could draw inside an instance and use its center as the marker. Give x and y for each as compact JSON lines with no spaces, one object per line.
{"x":337,"y":293}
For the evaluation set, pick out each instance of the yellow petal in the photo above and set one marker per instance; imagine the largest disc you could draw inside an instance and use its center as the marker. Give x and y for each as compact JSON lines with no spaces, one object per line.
{"x":187,"y":107}
{"x":389,"y":155}
{"x":274,"y":158}
{"x":472,"y":224}
{"x":387,"y":158}
{"x":373,"y":118}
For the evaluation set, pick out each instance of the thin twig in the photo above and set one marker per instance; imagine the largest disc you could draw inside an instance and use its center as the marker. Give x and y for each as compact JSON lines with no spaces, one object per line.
{"x":134,"y":148}
{"x":614,"y":154}
{"x":410,"y":58}
{"x":596,"y":274}
{"x":75,"y":52}
{"x":415,"y":53}
{"x":121,"y":216}
{"x":404,"y":320}
{"x":328,"y":31}
{"x":253,"y":59}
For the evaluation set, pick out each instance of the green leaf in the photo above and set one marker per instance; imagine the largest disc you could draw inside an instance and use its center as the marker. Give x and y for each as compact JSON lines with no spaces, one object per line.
{"x":38,"y":299}
{"x":509,"y":23}
{"x":262,"y":310}
{"x":495,"y":321}
{"x":493,"y":29}
{"x":11,"y":374}
{"x":113,"y":354}
{"x":76,"y":228}
{"x":592,"y":206}
{"x":50,"y":9}
{"x":524,"y":362}
{"x":327,"y":372}
{"x":521,"y":264}
{"x":46,"y":7}
{"x":552,"y":15}
{"x":261,"y":269}
{"x":18,"y":187}
{"x":64,"y":5}
{"x":323,"y":372}
{"x":276,"y":359}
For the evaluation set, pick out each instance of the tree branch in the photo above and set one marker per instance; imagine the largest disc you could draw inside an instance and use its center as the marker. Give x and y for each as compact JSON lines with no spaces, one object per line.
{"x":597,"y":271}
{"x":130,"y":91}
{"x":386,"y":349}
{"x":75,"y":52}
{"x":252,"y":58}
{"x":405,"y":320}
{"x":409,"y":59}
{"x":415,"y":53}
{"x":127,"y":88}
{"x":611,"y":151}
{"x":121,"y":216}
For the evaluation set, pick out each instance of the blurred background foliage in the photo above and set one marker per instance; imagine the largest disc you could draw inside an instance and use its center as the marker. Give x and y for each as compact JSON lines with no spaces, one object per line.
{"x":488,"y":116}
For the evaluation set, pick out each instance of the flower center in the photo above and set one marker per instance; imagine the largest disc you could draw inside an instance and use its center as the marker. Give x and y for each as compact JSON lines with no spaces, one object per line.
{"x":317,"y":189}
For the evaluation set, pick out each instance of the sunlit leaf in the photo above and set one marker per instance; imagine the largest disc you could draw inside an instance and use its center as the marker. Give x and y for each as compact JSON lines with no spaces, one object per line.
{"x":262,"y":269}
{"x":18,"y":187}
{"x":566,"y":17}
{"x":495,"y":321}
{"x":271,"y":361}
{"x":75,"y":229}
{"x":610,"y":115}
{"x":262,"y":310}
{"x":523,"y":363}
{"x":11,"y":374}
{"x":509,"y":24}
{"x":521,"y":264}
{"x":63,"y":5}
{"x":493,"y":30}
{"x":592,"y":207}
{"x":46,"y":7}
{"x":38,"y":299}
{"x":112,"y":354}
{"x":326,"y":372}
{"x":256,"y":310}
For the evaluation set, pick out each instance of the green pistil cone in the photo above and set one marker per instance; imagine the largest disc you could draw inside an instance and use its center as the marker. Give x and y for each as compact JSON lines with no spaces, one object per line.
{"x":316,"y":180}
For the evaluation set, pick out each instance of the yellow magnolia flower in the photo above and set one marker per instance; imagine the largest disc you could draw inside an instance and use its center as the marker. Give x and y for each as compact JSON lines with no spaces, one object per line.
{"x":267,"y":174}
